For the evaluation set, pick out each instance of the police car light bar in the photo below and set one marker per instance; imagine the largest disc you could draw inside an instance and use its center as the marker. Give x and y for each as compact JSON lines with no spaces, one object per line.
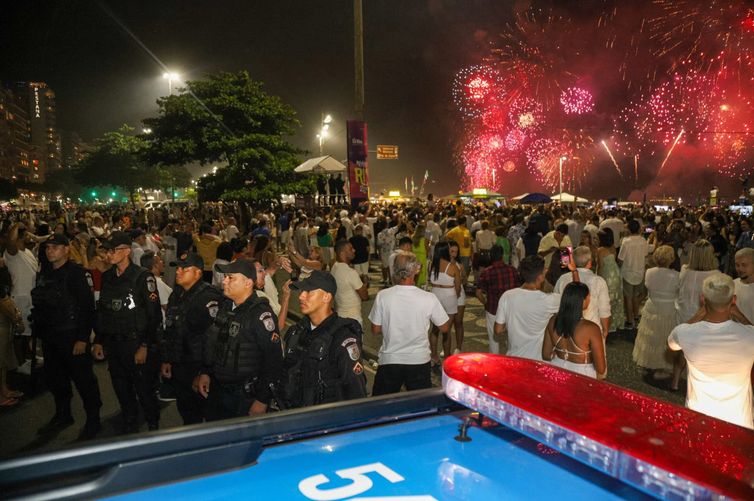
{"x":660,"y":448}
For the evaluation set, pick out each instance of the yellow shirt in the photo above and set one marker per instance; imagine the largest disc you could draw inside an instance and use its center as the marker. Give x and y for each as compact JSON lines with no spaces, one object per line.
{"x":206,"y":246}
{"x":462,"y":236}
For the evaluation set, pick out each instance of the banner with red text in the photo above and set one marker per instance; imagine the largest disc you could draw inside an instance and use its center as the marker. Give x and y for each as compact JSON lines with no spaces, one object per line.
{"x":358,"y":174}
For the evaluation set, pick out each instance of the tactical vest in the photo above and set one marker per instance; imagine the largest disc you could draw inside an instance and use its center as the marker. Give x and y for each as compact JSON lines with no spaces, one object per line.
{"x":120,"y":309}
{"x":54,"y":307}
{"x":179,"y":344}
{"x":307,"y":360}
{"x":236,"y":355}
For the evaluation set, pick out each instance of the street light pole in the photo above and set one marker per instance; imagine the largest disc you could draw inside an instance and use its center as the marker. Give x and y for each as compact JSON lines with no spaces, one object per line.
{"x":170,"y":76}
{"x":324,"y":127}
{"x":560,"y":168}
{"x":358,"y":58}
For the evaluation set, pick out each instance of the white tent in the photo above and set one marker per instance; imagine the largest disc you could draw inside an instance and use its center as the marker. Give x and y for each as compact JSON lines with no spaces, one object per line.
{"x":519,"y":197}
{"x":568,"y":198}
{"x":320,"y":165}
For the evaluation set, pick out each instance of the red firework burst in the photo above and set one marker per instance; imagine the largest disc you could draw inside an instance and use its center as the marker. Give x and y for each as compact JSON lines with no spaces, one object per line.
{"x":473,"y":89}
{"x":577,"y":101}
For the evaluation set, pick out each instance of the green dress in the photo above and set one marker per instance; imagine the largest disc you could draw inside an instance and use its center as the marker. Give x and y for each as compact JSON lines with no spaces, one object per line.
{"x":420,"y":252}
{"x":610,"y":271}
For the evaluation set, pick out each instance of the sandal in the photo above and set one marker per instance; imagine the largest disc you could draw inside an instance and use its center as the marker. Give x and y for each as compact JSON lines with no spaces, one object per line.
{"x":9,"y":402}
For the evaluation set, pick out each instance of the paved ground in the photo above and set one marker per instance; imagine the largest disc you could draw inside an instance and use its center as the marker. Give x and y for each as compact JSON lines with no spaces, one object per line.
{"x":18,"y":425}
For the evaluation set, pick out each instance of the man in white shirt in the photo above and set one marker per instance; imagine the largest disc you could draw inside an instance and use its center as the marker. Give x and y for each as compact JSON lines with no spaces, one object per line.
{"x":524,"y":312}
{"x":593,"y":228}
{"x":231,"y":230}
{"x":552,"y":241}
{"x":386,"y":243}
{"x":402,"y":316}
{"x":598,"y":310}
{"x":23,"y":267}
{"x":745,"y":282}
{"x":351,"y":290}
{"x":434,"y":232}
{"x":632,"y":257}
{"x":138,"y":245}
{"x":575,"y":225}
{"x":404,"y":247}
{"x":720,"y":355}
{"x":616,"y":225}
{"x":347,"y":223}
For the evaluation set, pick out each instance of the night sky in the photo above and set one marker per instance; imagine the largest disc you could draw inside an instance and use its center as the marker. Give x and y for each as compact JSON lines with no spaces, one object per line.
{"x":302,"y":50}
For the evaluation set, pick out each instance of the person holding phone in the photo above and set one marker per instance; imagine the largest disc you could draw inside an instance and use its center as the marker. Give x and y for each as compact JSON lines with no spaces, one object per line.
{"x":554,"y":241}
{"x":598,"y":308}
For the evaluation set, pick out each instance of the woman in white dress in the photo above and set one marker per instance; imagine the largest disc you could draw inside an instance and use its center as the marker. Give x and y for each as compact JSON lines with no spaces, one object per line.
{"x":571,"y":342}
{"x":702,"y":263}
{"x":445,"y":279}
{"x":659,"y":315}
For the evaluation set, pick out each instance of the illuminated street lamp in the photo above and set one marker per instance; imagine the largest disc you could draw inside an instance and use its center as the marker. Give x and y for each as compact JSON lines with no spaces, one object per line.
{"x":326,"y":121}
{"x":562,"y":159}
{"x":170,"y":76}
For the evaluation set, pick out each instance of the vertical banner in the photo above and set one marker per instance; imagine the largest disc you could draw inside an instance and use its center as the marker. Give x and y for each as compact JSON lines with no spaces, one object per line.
{"x":358,"y":174}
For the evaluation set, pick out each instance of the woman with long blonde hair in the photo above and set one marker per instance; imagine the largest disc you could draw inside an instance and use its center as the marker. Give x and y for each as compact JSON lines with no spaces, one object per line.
{"x":702,"y":264}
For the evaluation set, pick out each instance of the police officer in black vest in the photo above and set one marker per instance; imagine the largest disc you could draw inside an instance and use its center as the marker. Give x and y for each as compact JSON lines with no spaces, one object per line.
{"x":128,"y":318}
{"x":244,"y":355}
{"x":192,"y":306}
{"x":323,"y":351}
{"x":63,"y":317}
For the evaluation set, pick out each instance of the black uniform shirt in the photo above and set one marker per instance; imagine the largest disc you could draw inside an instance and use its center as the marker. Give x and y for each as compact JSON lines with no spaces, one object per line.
{"x":258,"y":328}
{"x":204,"y":301}
{"x":81,"y":289}
{"x":146,"y":298}
{"x":343,"y":371}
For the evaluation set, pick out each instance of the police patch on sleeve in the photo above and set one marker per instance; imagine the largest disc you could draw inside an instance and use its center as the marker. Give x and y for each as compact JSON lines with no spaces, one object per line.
{"x":151,"y":284}
{"x":212,"y":308}
{"x":358,"y":368}
{"x":352,"y":347}
{"x":268,"y":321}
{"x":89,"y":279}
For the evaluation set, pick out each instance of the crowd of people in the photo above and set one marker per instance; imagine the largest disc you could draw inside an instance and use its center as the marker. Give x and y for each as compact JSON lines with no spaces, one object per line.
{"x":187,"y":295}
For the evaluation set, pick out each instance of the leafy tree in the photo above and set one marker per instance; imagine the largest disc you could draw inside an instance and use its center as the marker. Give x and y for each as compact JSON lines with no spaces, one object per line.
{"x":121,"y":159}
{"x":230,"y":118}
{"x":62,"y":181}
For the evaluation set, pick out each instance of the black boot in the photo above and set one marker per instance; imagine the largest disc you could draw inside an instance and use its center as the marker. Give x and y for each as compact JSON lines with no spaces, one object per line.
{"x":91,"y":428}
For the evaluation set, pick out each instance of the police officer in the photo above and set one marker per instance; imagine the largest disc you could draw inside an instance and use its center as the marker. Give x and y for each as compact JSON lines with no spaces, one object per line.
{"x":63,"y":317}
{"x":244,"y":356}
{"x":323,"y":351}
{"x":192,"y":306}
{"x":127,"y":320}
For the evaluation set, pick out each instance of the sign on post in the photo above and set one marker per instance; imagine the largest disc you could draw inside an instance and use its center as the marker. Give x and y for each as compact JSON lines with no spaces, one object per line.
{"x":387,"y":152}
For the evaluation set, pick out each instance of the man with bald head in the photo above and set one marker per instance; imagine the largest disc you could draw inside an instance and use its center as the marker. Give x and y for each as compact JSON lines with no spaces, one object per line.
{"x":720,"y":354}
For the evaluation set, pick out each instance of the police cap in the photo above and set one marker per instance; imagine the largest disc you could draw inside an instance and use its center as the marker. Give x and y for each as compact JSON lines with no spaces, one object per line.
{"x":58,"y":239}
{"x":188,"y":260}
{"x":243,"y":266}
{"x":317,"y":280}
{"x":117,"y":238}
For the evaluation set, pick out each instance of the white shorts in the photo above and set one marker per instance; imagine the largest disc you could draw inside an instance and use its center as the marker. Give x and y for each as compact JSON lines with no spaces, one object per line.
{"x":362,"y":268}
